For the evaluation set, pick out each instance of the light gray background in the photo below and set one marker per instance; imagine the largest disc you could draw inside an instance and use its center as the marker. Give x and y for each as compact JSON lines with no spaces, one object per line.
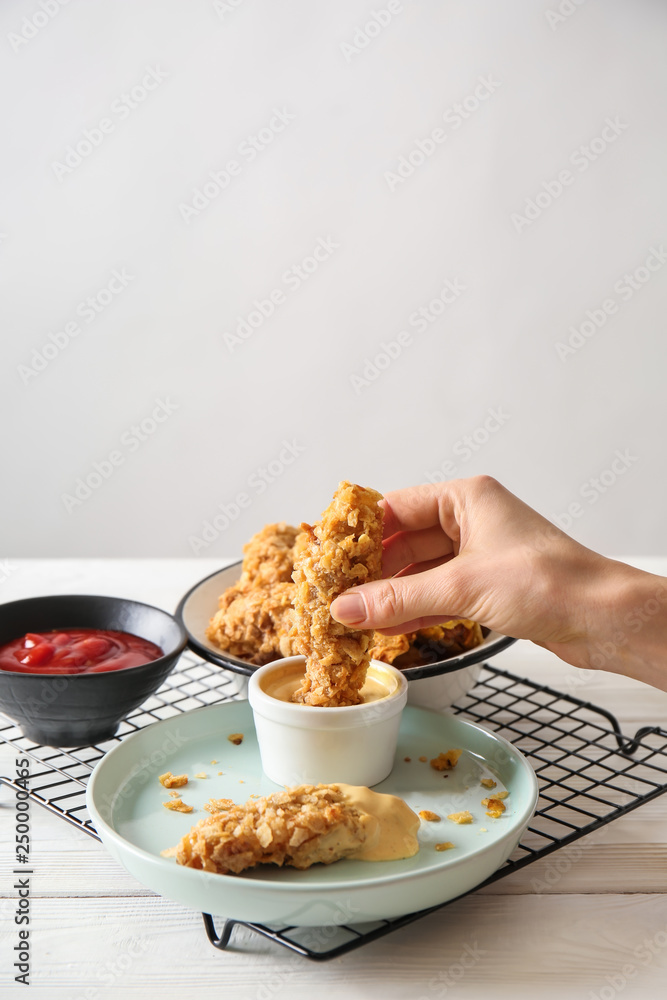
{"x":224,"y":68}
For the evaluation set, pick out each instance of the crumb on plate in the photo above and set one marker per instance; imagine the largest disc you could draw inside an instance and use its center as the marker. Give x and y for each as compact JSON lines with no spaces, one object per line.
{"x":446,"y":845}
{"x":461,"y":817}
{"x":235,"y":738}
{"x":201,"y":774}
{"x":488,"y":783}
{"x":423,"y":759}
{"x":494,"y":807}
{"x":428,"y":815}
{"x":178,"y":805}
{"x":446,"y":761}
{"x":170,"y":780}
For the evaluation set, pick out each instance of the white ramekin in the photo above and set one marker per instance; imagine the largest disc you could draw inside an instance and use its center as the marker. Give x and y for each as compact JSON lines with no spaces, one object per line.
{"x":304,"y":744}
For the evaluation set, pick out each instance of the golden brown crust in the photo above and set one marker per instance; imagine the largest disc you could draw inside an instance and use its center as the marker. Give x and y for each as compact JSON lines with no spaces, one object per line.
{"x":446,"y":760}
{"x":170,"y":780}
{"x":343,"y":549}
{"x":427,"y":645}
{"x":249,"y":623}
{"x":252,"y":619}
{"x":301,"y":826}
{"x":268,"y":557}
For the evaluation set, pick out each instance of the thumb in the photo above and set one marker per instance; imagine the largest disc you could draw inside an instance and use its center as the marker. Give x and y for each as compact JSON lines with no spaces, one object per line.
{"x":407,"y":601}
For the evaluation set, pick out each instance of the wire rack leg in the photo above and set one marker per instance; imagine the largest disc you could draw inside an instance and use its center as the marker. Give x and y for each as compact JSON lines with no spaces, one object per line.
{"x":222,"y":939}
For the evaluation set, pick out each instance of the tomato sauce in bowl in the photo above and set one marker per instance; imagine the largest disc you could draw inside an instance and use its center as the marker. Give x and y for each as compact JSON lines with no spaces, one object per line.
{"x":76,"y":651}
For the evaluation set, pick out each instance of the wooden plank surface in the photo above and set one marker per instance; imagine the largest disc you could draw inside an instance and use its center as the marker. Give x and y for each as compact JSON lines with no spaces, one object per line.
{"x":585,"y":921}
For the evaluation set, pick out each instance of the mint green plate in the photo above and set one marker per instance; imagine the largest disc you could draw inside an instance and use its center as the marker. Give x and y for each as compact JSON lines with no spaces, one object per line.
{"x":124,"y":798}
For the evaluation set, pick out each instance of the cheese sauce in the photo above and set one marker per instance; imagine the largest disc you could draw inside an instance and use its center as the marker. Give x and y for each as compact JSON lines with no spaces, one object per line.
{"x":392,"y":824}
{"x":284,"y":682}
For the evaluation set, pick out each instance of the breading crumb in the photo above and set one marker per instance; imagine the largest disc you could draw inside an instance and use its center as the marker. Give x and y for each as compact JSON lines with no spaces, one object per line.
{"x":170,"y":780}
{"x":214,"y":762}
{"x":407,"y":759}
{"x":462,"y":817}
{"x":427,"y":814}
{"x":495,"y":807}
{"x":446,"y":761}
{"x":235,"y":738}
{"x":169,"y":852}
{"x":177,"y":805}
{"x":488,"y":783}
{"x":500,"y":795}
{"x":175,"y":794}
{"x":445,"y":846}
{"x":423,"y":759}
{"x":201,"y":774}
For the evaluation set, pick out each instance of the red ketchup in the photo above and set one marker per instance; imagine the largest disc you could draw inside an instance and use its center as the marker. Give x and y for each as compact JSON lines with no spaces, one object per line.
{"x":76,"y":651}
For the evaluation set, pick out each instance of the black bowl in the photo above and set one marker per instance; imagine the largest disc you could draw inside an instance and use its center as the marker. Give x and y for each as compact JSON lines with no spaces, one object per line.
{"x":80,"y":709}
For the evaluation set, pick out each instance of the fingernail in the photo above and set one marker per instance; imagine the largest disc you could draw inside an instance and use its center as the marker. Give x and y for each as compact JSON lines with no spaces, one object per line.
{"x":349,"y":609}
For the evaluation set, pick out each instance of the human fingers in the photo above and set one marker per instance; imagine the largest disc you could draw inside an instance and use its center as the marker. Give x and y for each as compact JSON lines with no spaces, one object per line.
{"x":416,"y":623}
{"x":384,"y":604}
{"x":412,"y":508}
{"x":407,"y":547}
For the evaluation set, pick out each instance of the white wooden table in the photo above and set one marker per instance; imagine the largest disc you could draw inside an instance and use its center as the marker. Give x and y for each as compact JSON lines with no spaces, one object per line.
{"x":597,"y":931}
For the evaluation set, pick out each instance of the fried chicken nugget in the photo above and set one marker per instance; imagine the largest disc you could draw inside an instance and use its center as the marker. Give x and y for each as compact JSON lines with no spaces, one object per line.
{"x":343,"y":549}
{"x":301,"y":826}
{"x":251,"y":624}
{"x":269,"y":556}
{"x":427,"y":645}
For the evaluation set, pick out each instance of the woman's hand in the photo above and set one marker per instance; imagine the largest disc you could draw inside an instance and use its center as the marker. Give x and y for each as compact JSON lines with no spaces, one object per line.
{"x":471,"y":549}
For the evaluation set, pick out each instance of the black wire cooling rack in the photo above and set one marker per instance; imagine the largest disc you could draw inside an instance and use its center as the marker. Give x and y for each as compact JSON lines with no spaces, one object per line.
{"x":588,"y":772}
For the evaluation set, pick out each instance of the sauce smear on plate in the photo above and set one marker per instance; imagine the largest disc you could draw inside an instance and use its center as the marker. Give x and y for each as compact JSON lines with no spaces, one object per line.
{"x":76,"y":651}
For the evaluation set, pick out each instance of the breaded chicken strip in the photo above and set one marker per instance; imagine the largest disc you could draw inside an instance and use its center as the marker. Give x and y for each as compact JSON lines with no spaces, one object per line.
{"x":343,"y":549}
{"x":302,"y":826}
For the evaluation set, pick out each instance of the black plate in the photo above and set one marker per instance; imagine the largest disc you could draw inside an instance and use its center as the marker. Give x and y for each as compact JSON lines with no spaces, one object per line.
{"x":200,"y":603}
